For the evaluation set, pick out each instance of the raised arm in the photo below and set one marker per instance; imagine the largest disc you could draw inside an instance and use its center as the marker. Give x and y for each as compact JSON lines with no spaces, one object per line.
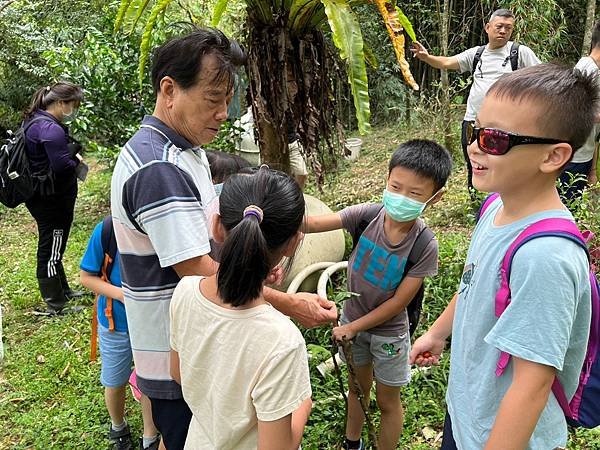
{"x":439,"y":62}
{"x":325,"y":222}
{"x":308,"y":309}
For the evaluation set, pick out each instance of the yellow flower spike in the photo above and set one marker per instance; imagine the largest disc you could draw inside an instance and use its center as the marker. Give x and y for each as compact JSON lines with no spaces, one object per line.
{"x":396,"y":32}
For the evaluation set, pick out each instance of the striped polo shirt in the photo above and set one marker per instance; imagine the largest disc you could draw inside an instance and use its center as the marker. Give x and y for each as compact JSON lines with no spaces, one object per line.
{"x":160,"y":187}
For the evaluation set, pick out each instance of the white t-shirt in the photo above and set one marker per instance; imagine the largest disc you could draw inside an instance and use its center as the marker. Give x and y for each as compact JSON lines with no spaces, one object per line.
{"x":585,"y":153}
{"x":492,"y":65}
{"x":237,"y":367}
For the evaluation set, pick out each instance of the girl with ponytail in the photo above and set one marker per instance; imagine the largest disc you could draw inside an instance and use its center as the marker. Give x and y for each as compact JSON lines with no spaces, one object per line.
{"x":242,"y":364}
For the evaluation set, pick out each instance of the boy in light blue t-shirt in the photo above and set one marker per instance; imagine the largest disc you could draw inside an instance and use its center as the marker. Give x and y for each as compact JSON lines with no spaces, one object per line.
{"x":524,"y":134}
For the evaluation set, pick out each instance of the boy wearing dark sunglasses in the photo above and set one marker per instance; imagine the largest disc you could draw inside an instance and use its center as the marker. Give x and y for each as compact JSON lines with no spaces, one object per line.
{"x":525,"y":132}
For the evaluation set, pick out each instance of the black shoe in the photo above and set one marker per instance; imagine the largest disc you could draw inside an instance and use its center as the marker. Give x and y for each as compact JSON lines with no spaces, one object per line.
{"x":121,"y":440}
{"x":153,"y":446}
{"x":52,"y":293}
{"x":69,"y":293}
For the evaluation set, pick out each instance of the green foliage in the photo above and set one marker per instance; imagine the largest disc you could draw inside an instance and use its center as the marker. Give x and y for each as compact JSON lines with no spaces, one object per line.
{"x":73,"y":43}
{"x":220,"y":8}
{"x":158,"y":9}
{"x":586,"y":210}
{"x":227,"y":138}
{"x":348,"y":39}
{"x":387,"y":91}
{"x":546,"y":37}
{"x":405,"y":22}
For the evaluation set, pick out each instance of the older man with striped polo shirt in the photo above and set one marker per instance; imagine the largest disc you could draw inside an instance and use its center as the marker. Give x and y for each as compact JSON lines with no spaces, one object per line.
{"x":160,"y":187}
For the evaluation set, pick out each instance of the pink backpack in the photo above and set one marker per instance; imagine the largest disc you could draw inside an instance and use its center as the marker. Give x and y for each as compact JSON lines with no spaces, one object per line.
{"x":584,"y":408}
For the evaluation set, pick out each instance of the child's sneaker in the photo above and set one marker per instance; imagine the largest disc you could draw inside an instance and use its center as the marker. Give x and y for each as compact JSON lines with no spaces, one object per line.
{"x":121,"y":439}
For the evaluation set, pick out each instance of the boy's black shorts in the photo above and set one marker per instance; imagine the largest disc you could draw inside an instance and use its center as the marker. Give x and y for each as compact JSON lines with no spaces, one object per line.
{"x":172,"y":418}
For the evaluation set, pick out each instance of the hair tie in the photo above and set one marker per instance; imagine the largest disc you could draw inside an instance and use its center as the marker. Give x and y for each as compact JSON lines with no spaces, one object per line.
{"x":253,"y":210}
{"x":47,"y":88}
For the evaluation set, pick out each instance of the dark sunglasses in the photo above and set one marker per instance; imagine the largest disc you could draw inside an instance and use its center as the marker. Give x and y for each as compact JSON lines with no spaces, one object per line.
{"x":498,"y":142}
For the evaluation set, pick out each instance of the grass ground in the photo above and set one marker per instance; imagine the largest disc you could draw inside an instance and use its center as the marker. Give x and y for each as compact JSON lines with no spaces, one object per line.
{"x":50,"y":396}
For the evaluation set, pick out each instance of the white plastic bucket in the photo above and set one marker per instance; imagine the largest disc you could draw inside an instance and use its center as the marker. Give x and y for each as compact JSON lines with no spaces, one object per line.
{"x":251,"y":155}
{"x":352,"y":148}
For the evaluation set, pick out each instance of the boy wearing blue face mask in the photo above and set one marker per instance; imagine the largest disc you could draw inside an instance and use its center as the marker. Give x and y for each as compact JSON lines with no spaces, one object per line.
{"x":375,"y":318}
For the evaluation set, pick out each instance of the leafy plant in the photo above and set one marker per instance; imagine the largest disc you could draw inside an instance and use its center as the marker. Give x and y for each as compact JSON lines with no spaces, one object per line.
{"x":285,"y":42}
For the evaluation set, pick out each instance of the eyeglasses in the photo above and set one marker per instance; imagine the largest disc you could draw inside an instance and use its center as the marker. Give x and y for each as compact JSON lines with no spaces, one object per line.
{"x":498,"y":142}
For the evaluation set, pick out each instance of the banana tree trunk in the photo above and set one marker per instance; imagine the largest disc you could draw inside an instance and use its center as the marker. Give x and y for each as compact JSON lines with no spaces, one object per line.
{"x":268,"y":88}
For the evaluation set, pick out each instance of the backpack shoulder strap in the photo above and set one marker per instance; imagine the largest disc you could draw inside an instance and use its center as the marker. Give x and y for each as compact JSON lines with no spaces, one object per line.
{"x":109,"y":244}
{"x":365,"y":220}
{"x":477,"y":58}
{"x":423,"y":239}
{"x":514,"y":56}
{"x":546,"y":227}
{"x":486,"y":204}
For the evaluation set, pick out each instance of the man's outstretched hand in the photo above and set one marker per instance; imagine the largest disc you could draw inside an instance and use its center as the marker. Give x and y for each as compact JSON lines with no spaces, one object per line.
{"x":312,"y":311}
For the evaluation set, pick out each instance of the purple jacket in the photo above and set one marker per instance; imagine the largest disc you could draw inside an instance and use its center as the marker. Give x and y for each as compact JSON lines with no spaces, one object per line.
{"x":47,"y":146}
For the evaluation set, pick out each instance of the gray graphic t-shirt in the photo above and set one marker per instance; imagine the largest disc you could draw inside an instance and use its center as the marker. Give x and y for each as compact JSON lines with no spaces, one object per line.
{"x":376,"y":266}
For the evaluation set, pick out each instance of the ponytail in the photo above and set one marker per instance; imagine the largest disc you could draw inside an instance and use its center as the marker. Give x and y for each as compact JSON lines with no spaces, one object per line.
{"x":245,"y":263}
{"x":62,"y":91}
{"x":260,"y":214}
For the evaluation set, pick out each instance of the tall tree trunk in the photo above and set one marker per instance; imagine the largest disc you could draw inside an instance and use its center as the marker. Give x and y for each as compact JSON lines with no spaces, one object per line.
{"x":589,"y":25}
{"x":267,"y":62}
{"x":290,"y":82}
{"x":444,"y":32}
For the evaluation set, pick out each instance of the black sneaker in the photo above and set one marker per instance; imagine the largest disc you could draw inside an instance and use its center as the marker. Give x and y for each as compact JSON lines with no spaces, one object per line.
{"x":153,"y":446}
{"x":345,"y":445}
{"x":121,"y":440}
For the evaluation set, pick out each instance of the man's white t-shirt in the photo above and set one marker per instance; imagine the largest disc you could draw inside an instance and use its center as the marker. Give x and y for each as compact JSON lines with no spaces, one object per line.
{"x":492,"y":65}
{"x":585,"y":153}
{"x":237,"y":367}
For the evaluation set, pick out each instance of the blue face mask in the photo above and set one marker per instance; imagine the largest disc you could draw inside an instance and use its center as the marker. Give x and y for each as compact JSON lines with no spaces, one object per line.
{"x":402,"y":208}
{"x":218,"y":188}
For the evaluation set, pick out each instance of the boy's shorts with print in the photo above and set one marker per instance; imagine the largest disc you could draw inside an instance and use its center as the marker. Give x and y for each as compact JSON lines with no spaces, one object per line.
{"x":116,"y":355}
{"x":389,"y":355}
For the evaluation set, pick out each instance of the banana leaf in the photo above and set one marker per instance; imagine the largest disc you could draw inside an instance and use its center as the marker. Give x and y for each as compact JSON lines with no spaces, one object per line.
{"x":408,"y":28}
{"x":348,"y":39}
{"x":220,"y":8}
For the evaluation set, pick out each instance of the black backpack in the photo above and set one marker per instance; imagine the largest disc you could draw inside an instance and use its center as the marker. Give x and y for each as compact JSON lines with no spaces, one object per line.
{"x":513,"y":57}
{"x":421,"y":242}
{"x":17,"y":183}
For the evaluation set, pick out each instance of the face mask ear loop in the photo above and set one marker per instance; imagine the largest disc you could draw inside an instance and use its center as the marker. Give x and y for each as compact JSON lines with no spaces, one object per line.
{"x":430,"y":198}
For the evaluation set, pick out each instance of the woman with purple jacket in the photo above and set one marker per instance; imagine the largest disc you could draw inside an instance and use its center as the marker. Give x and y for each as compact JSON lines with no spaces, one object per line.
{"x":51,"y":152}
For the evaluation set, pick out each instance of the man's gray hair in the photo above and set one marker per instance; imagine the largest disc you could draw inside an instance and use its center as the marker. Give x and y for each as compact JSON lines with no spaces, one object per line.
{"x":502,"y":13}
